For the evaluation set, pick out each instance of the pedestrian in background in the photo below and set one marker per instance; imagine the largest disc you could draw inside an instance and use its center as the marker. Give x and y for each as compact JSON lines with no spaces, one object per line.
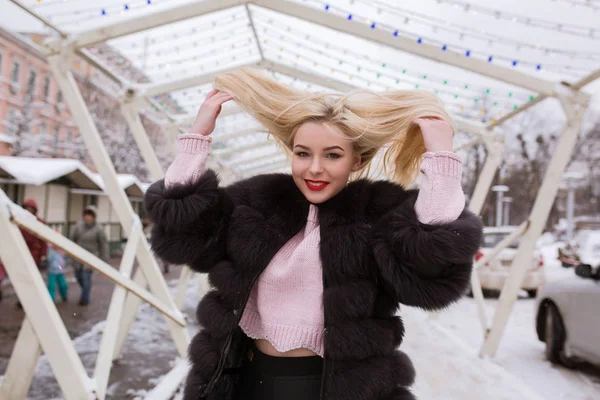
{"x":89,"y":235}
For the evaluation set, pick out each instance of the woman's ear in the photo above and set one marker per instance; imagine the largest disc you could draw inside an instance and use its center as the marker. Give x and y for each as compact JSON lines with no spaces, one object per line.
{"x":356,"y":164}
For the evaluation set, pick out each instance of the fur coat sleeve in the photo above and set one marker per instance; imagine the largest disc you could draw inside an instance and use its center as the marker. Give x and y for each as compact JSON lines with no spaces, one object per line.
{"x":189,"y":221}
{"x":422,"y":265}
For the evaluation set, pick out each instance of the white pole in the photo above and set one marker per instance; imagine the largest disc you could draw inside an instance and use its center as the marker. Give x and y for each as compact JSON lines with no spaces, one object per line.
{"x":507,"y":202}
{"x":21,"y":366}
{"x":539,"y":215}
{"x":41,"y":312}
{"x":60,"y":66}
{"x":499,"y":189}
{"x":570,"y":209}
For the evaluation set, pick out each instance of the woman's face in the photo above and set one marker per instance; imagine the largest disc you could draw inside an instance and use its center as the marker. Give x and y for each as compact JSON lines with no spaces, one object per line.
{"x":322,"y":161}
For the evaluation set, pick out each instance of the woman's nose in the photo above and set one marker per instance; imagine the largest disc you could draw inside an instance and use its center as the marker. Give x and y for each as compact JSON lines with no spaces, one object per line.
{"x":316,"y":166}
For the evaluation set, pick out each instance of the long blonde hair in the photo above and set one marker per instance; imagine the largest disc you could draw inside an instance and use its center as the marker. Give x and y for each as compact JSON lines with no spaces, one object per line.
{"x":370,"y":120}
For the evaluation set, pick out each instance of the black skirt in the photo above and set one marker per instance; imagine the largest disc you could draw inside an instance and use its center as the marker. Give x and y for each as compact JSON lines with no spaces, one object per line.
{"x":265,"y":377}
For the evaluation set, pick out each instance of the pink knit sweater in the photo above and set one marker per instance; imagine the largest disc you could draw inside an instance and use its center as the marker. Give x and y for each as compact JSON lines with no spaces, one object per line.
{"x":285,"y":305}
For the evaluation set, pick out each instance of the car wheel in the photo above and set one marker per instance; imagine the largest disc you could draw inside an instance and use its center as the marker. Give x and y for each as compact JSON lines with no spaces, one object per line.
{"x":531,"y":293}
{"x":554,"y":334}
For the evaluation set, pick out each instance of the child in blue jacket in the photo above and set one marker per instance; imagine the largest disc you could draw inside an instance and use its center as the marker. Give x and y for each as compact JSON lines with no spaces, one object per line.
{"x":57,"y":265}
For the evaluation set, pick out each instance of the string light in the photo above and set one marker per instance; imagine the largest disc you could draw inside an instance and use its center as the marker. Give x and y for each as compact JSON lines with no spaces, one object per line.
{"x":290,"y":36}
{"x":361,"y":69}
{"x":561,"y":68}
{"x":572,"y":29}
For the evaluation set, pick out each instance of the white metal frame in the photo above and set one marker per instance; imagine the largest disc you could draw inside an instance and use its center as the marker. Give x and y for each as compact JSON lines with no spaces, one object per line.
{"x":574,"y":103}
{"x":68,"y":367}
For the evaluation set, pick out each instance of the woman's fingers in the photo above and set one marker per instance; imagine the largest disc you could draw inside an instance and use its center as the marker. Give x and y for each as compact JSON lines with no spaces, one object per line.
{"x":211,"y":94}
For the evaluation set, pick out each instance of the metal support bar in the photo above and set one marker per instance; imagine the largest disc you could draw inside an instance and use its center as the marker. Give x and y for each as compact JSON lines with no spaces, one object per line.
{"x":495,"y":149}
{"x":362,"y":30}
{"x":132,"y":116}
{"x":132,"y":304}
{"x":47,"y":325}
{"x":76,"y":252}
{"x":21,"y":366}
{"x":539,"y":214}
{"x":260,"y":50}
{"x":504,"y":243}
{"x":142,"y":23}
{"x":59,"y":65}
{"x":169,"y":383}
{"x":114,"y":317}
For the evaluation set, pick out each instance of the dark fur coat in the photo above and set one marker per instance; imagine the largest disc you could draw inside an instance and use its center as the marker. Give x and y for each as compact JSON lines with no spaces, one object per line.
{"x":375,"y":255}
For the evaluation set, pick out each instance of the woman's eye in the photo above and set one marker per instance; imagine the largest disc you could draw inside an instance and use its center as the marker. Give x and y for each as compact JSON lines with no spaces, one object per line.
{"x":333,"y":156}
{"x":302,"y":154}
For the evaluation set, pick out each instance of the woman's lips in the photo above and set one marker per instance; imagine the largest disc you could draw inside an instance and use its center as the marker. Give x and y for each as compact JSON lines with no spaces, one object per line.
{"x":316,"y":186}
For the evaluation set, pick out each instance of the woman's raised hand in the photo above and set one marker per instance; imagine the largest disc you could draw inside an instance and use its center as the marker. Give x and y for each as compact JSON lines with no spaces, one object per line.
{"x":209,"y":111}
{"x":437,"y":134}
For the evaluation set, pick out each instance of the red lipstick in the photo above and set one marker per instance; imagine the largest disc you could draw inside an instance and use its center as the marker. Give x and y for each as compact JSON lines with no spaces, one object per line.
{"x":316,"y":186}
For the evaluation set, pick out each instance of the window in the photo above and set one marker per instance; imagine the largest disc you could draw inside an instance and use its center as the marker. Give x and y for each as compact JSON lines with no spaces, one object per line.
{"x":69,"y":136}
{"x":43,"y":128}
{"x":1,"y":62}
{"x":59,"y":97}
{"x":31,"y":82}
{"x":56,"y":133}
{"x":12,"y":123}
{"x":46,"y":87}
{"x":14,"y":77}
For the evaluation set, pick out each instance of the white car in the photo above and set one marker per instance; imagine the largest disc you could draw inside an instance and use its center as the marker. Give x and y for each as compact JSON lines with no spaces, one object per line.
{"x":567,"y":317}
{"x":494,"y":273}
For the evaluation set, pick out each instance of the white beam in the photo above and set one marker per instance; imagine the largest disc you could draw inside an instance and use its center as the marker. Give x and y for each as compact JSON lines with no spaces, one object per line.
{"x":537,"y":219}
{"x":114,"y":317}
{"x":39,"y":308}
{"x":144,"y":22}
{"x":76,"y":252}
{"x":169,"y":383}
{"x":21,"y":365}
{"x":408,"y":45}
{"x":60,"y":64}
{"x":155,"y":89}
{"x":132,"y":117}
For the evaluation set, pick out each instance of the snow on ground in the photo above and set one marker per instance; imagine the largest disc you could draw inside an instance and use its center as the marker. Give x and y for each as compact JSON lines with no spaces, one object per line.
{"x":146,"y":351}
{"x":520,"y":354}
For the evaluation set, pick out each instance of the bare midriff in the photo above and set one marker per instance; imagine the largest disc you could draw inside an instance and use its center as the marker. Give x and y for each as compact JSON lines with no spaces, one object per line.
{"x":267,"y":348}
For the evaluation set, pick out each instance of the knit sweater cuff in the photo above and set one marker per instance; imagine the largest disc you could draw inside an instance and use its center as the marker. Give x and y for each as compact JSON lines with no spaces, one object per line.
{"x":190,"y":163}
{"x":441,"y":198}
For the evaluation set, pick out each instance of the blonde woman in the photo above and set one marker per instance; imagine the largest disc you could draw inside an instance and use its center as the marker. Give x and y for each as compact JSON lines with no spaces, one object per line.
{"x":309,"y":269}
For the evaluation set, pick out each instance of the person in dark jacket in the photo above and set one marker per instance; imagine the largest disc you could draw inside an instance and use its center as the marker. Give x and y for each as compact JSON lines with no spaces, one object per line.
{"x":91,"y":236}
{"x":309,"y":269}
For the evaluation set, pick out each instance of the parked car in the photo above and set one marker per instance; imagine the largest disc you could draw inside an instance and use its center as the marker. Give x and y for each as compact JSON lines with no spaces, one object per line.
{"x":567,"y":317}
{"x":494,"y":273}
{"x":588,"y":245}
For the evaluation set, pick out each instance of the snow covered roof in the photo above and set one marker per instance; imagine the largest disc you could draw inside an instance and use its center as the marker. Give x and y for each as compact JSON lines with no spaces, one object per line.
{"x":4,"y":138}
{"x":39,"y":171}
{"x":130,"y":183}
